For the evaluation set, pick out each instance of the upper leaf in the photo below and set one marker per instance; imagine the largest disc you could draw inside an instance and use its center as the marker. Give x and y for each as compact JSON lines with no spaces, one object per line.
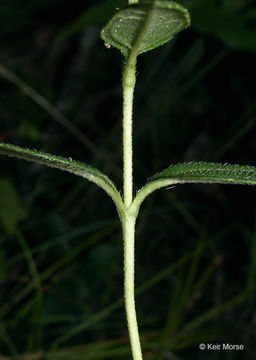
{"x":203,"y":172}
{"x":75,"y":167}
{"x":146,"y":25}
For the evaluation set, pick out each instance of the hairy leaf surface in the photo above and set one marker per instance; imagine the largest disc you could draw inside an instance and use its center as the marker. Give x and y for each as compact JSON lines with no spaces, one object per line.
{"x":69,"y":165}
{"x":146,"y":25}
{"x":203,"y":172}
{"x":196,"y":172}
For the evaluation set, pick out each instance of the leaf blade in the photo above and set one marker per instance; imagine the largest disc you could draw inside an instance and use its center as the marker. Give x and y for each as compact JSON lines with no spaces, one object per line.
{"x":69,"y":165}
{"x":158,"y":21}
{"x":196,"y":172}
{"x":203,"y":172}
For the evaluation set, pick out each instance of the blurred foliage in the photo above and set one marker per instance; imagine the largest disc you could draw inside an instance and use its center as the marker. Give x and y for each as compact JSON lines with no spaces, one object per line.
{"x":12,"y":211}
{"x":60,"y":241}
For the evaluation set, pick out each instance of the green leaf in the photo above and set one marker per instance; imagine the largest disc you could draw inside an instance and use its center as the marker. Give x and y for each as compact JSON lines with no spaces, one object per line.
{"x":145,"y":25}
{"x":203,"y":172}
{"x":11,"y":210}
{"x":197,"y":172}
{"x":69,"y":165}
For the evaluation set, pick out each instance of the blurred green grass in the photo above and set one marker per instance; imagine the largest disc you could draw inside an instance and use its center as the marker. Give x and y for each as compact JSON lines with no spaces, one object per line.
{"x":60,"y":242}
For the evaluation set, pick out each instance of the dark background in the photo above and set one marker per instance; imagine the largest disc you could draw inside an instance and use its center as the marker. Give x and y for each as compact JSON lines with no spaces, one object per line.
{"x":61,"y":272}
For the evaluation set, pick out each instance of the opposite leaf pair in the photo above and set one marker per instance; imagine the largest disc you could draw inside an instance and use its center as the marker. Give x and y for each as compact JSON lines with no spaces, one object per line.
{"x":192,"y":172}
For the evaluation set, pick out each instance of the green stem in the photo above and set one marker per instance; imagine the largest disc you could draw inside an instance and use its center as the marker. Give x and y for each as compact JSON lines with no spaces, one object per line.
{"x":129,"y":80}
{"x":129,"y":236}
{"x":128,"y":92}
{"x":129,"y":217}
{"x":132,"y":2}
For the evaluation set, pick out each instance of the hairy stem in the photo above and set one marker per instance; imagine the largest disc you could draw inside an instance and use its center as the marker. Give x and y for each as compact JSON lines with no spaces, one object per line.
{"x":129,"y":79}
{"x":128,"y":91}
{"x":129,"y":217}
{"x":128,"y":236}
